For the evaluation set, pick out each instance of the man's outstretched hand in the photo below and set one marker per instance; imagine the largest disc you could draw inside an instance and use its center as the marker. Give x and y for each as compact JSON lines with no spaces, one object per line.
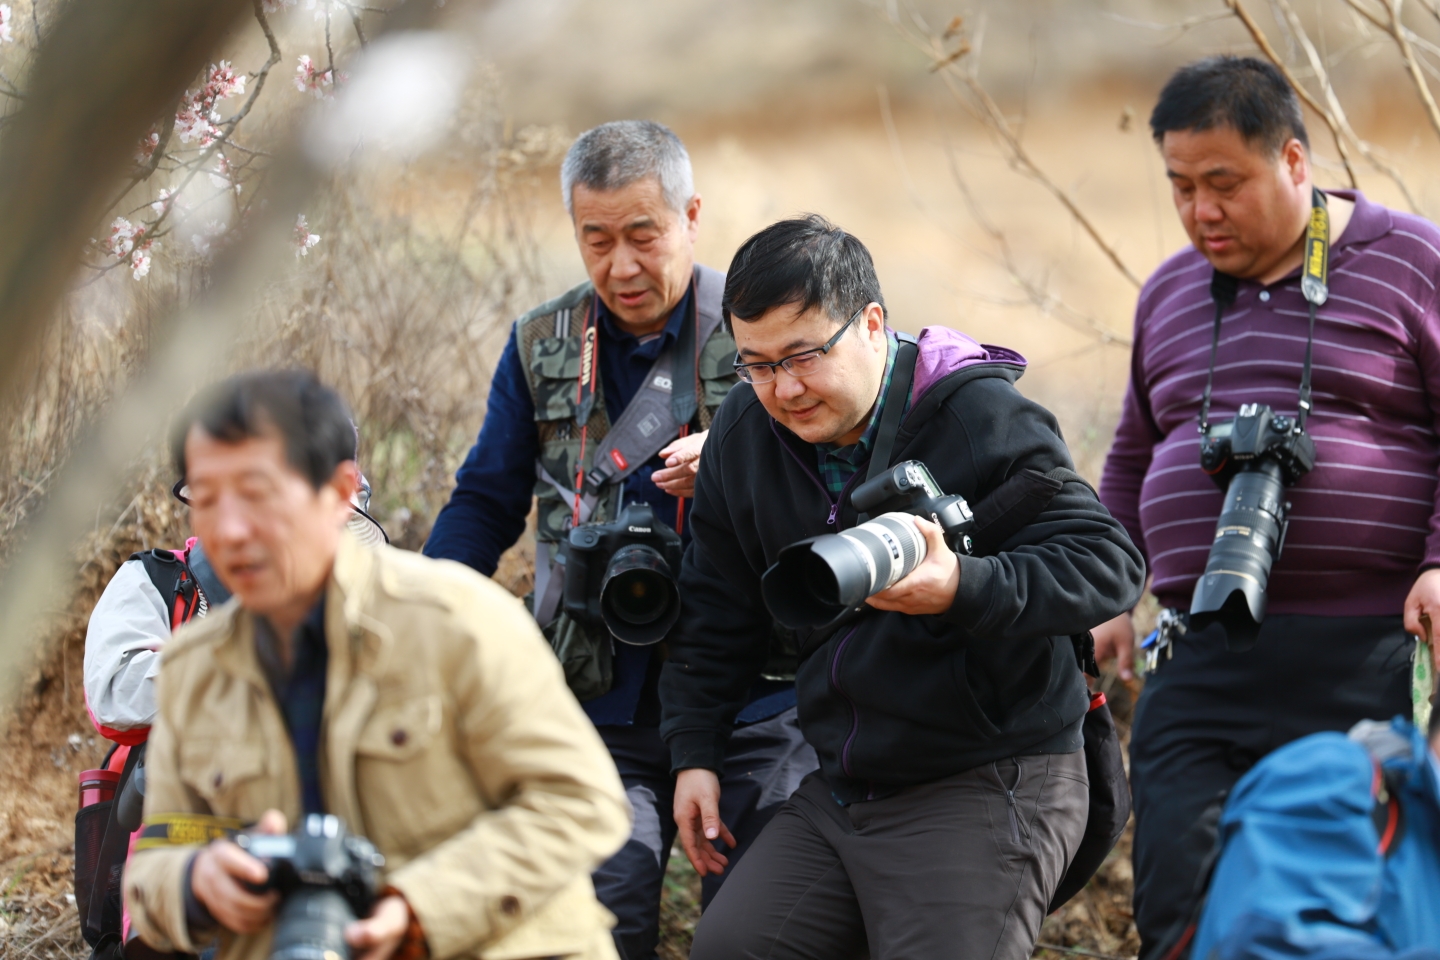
{"x":682,"y":460}
{"x":697,"y":814}
{"x":1115,"y":640}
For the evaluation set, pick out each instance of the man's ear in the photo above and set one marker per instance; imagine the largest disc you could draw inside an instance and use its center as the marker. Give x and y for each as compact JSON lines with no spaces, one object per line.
{"x":345,"y":481}
{"x":692,"y":217}
{"x":1296,"y":160}
{"x":874,"y":322}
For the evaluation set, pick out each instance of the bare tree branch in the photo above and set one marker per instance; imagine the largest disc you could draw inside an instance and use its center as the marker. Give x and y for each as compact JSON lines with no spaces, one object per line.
{"x":1402,"y":37}
{"x":1334,"y":113}
{"x":946,"y":64}
{"x":1263,"y":42}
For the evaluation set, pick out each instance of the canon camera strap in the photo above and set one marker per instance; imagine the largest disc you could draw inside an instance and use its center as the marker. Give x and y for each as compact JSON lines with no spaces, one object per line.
{"x":660,"y":410}
{"x":906,"y":353}
{"x":1314,"y":286}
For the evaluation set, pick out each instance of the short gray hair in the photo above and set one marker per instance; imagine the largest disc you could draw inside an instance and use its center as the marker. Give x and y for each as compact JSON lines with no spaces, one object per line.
{"x":616,"y":154}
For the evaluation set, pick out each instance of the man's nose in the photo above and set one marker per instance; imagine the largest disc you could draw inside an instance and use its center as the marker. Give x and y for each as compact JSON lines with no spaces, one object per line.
{"x":625,"y":265}
{"x":1207,"y":210}
{"x":787,"y":385}
{"x":231,"y":522}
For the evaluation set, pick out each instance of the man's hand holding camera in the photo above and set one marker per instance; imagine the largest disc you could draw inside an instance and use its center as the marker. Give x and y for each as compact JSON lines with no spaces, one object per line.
{"x":230,"y":883}
{"x":930,"y":587}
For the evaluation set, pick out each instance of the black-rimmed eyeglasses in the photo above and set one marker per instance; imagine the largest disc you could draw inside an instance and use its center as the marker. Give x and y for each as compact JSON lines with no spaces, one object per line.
{"x":797,"y":364}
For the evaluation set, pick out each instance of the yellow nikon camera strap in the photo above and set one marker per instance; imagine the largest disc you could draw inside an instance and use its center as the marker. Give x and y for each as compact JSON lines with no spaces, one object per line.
{"x":185,"y":830}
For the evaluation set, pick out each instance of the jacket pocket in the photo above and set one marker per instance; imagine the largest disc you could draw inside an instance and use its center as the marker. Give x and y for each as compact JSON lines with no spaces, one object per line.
{"x":414,"y":791}
{"x":224,"y":774}
{"x":402,"y":731}
{"x":554,"y":371}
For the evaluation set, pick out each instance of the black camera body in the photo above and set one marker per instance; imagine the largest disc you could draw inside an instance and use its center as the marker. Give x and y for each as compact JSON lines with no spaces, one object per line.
{"x":1253,"y":458}
{"x":909,"y":488}
{"x":816,"y":581}
{"x":623,"y":574}
{"x":327,"y":877}
{"x":1256,"y":433}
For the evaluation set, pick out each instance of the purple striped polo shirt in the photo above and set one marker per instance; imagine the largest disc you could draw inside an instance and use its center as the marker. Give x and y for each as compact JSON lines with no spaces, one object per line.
{"x":1364,"y":521}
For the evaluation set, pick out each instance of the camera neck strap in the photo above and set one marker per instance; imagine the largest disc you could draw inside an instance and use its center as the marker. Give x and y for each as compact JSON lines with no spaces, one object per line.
{"x":1314,"y":286}
{"x":893,"y":409}
{"x":661,"y":409}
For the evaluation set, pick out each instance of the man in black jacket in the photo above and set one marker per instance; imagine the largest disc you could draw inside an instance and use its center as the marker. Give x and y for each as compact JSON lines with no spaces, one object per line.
{"x":952,"y":790}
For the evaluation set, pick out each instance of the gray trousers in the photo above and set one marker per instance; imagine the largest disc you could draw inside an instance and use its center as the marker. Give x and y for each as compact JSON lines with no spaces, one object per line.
{"x":961,"y":867}
{"x":764,"y":763}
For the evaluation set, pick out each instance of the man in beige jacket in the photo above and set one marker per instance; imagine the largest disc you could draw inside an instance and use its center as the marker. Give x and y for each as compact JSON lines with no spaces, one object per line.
{"x":412,"y":698}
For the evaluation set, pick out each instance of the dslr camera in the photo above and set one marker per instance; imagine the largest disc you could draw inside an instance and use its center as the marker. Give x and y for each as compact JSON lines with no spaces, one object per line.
{"x":1253,"y":458}
{"x":815,"y":581}
{"x":623,"y":574}
{"x":327,"y":877}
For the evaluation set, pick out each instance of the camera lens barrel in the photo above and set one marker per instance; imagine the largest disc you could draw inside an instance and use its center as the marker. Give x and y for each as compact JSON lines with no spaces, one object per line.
{"x":639,"y":599}
{"x":814,"y":581}
{"x":311,"y":925}
{"x":1248,"y":538}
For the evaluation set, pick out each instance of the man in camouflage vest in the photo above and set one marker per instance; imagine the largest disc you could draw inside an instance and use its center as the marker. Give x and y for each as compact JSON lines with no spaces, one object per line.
{"x":647,"y":320}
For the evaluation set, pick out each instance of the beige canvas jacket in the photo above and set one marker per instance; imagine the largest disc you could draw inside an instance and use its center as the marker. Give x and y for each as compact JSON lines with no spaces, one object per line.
{"x":449,"y":740}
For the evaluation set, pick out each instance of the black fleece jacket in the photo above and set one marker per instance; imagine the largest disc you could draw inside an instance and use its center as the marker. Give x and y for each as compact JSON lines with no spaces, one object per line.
{"x":892,"y":700}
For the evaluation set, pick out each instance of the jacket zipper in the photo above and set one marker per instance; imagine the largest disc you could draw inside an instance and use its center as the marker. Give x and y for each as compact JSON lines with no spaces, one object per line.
{"x":832,"y":520}
{"x":1010,"y":796}
{"x":854,"y":712}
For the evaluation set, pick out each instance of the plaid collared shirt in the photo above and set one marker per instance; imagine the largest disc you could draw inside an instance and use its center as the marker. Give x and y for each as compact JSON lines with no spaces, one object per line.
{"x":839,"y":464}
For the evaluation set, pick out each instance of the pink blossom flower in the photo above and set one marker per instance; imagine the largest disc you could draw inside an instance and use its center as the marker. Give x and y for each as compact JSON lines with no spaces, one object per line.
{"x":304,"y":239}
{"x":198,"y":115}
{"x":310,"y":80}
{"x":127,"y":243}
{"x":140,"y":260}
{"x":163,"y":201}
{"x":123,"y":237}
{"x":6,"y":18}
{"x":146,"y":148}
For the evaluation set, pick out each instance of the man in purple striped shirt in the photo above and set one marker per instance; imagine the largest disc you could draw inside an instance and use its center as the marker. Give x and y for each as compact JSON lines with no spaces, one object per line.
{"x":1357,"y":569}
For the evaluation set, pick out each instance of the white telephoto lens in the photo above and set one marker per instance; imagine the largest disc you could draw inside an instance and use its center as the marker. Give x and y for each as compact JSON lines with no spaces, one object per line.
{"x":890,"y":546}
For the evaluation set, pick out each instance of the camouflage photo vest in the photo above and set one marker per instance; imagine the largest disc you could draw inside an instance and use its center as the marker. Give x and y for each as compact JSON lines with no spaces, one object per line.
{"x":548,"y":341}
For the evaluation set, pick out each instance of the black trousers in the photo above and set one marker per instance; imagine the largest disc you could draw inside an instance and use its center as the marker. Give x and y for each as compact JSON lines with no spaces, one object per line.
{"x":961,"y":867}
{"x":764,"y":763}
{"x":1207,"y":715}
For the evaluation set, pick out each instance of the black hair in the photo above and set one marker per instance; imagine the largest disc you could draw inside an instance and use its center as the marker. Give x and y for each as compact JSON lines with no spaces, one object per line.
{"x":308,"y":416}
{"x":806,"y":261}
{"x":1246,"y":94}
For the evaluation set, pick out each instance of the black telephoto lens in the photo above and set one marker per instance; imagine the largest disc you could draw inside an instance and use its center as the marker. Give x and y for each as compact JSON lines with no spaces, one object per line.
{"x":311,"y":925}
{"x":638,"y":597}
{"x":1248,"y":538}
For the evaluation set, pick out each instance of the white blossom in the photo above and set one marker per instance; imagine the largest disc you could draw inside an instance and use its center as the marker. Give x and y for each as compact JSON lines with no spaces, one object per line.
{"x":304,"y":239}
{"x":276,"y":6}
{"x":198,"y":116}
{"x":162,"y":201}
{"x":309,"y":79}
{"x":6,"y":18}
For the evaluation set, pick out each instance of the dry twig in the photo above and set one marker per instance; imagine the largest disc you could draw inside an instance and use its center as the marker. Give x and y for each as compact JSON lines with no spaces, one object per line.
{"x":947,"y":64}
{"x":1402,"y":37}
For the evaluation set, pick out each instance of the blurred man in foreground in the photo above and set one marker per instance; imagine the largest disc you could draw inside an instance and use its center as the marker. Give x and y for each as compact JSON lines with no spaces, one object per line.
{"x":415,"y":700}
{"x":1332,"y":852}
{"x":1355,"y":573}
{"x":614,"y":384}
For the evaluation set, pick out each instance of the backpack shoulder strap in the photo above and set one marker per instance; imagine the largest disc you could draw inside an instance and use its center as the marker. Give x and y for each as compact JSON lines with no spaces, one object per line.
{"x":174,"y":582}
{"x":1014,"y":504}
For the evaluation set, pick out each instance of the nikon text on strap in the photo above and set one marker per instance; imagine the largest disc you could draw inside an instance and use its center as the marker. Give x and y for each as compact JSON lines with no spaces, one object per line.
{"x":1314,"y":286}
